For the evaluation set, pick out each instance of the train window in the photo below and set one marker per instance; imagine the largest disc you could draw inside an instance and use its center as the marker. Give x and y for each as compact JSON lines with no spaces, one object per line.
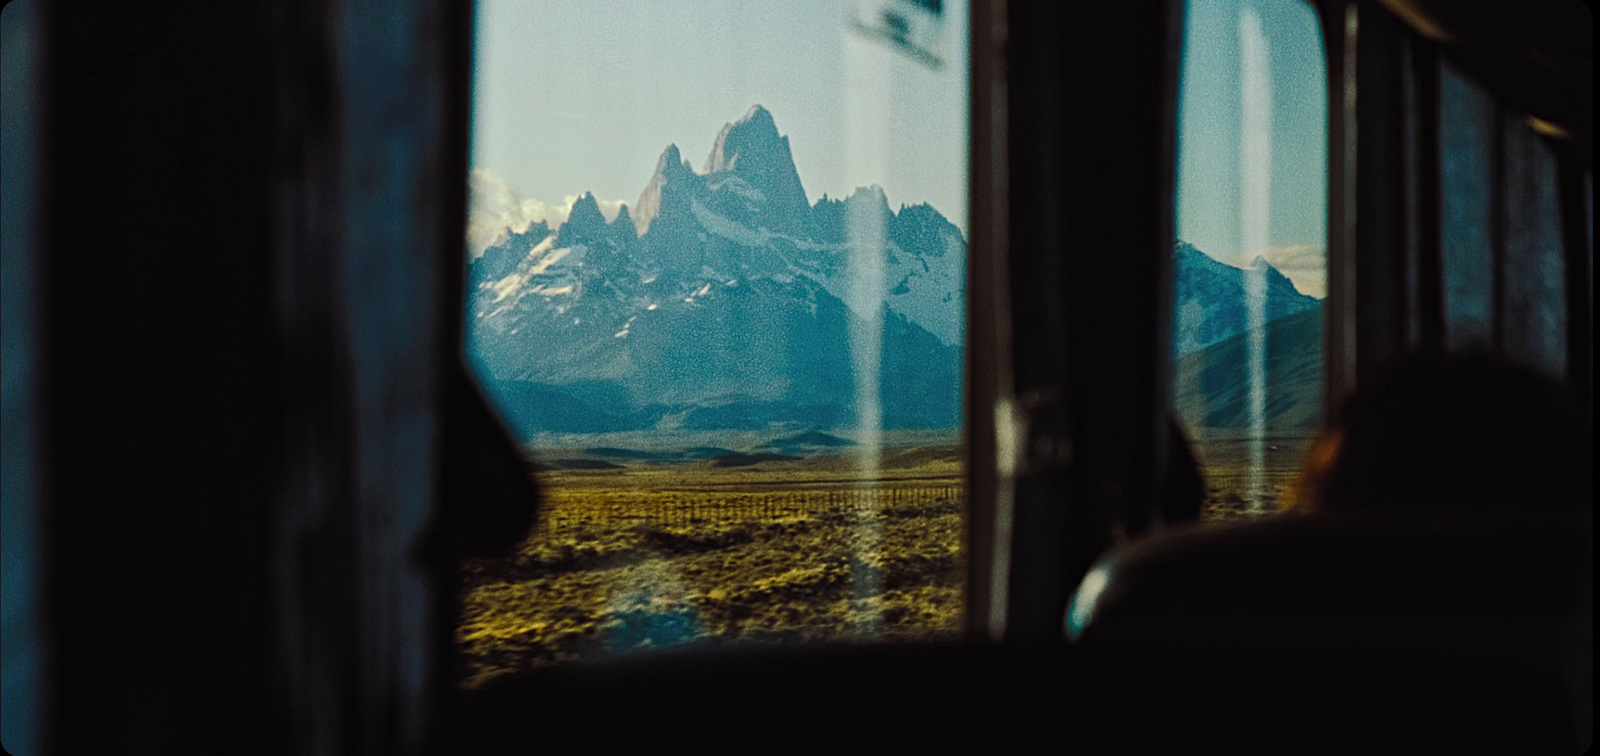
{"x":739,"y":379}
{"x":1250,"y":263}
{"x":23,"y":644}
{"x":1534,"y":325}
{"x":1466,"y":165}
{"x":1504,"y":271}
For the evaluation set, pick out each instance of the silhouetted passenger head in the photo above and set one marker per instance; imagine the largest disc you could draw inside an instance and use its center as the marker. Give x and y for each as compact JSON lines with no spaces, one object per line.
{"x":1454,"y":434}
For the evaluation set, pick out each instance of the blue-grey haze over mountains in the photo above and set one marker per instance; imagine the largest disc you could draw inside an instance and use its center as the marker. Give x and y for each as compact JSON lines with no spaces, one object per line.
{"x":723,"y":299}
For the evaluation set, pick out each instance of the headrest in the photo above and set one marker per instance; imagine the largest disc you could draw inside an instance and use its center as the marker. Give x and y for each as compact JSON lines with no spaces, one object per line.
{"x":1335,"y":581}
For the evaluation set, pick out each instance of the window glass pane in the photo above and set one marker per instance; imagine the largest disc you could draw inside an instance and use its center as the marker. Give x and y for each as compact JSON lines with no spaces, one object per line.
{"x":1251,"y":260}
{"x":22,"y":645}
{"x":1534,"y":316}
{"x":1466,"y":165}
{"x":717,"y":258}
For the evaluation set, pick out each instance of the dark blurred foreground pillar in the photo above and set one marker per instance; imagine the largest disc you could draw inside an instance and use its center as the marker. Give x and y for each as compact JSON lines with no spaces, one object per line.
{"x":1090,"y":242}
{"x":250,"y":357}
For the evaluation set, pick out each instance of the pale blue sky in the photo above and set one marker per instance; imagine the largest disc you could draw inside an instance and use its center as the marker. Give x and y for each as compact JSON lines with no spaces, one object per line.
{"x":575,"y":96}
{"x":1209,"y":135}
{"x":583,"y":95}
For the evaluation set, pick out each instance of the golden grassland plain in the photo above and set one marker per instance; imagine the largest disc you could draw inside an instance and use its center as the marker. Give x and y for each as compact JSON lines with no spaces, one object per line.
{"x":1226,"y":462}
{"x":646,"y":556}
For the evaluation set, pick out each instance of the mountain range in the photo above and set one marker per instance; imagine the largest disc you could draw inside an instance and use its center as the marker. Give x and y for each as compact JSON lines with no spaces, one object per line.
{"x":1212,"y":298}
{"x":724,"y":299}
{"x":1211,"y":346}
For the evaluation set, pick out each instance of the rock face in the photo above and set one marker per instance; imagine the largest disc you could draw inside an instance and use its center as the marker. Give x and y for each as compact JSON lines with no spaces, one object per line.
{"x":723,"y":299}
{"x":1212,"y":302}
{"x":750,"y":155}
{"x":1211,"y":342}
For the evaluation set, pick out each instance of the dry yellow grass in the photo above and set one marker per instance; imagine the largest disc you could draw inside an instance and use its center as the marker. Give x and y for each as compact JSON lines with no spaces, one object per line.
{"x":1232,"y":478}
{"x":810,"y":550}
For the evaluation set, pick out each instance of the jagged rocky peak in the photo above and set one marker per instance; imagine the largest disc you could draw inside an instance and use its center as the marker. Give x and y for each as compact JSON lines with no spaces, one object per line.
{"x":624,"y":221}
{"x":671,"y":162}
{"x":866,"y":210}
{"x":1212,"y":297}
{"x":752,"y":134}
{"x":752,"y":149}
{"x":872,"y":193}
{"x":923,"y":213}
{"x":671,"y":169}
{"x":1189,"y":255}
{"x":869,"y":199}
{"x":586,"y":211}
{"x":827,"y":220}
{"x":501,"y":259}
{"x":584,"y":220}
{"x":749,"y":178}
{"x":1276,"y":280}
{"x":922,"y":227}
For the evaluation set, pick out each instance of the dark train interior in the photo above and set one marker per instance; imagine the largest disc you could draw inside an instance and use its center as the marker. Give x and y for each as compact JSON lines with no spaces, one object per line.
{"x":283,"y":473}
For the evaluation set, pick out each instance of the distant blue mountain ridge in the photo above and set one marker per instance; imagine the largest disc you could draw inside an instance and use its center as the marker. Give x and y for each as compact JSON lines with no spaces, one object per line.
{"x":1212,"y":347}
{"x":1211,"y":301}
{"x":723,"y":299}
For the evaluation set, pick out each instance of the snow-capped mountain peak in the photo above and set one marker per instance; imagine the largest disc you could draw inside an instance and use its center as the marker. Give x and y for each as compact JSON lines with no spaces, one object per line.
{"x":754,"y":160}
{"x":732,"y":303}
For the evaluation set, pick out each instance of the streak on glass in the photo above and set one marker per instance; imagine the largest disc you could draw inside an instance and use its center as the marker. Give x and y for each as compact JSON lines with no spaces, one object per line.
{"x":867,"y":139}
{"x":1255,"y":207}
